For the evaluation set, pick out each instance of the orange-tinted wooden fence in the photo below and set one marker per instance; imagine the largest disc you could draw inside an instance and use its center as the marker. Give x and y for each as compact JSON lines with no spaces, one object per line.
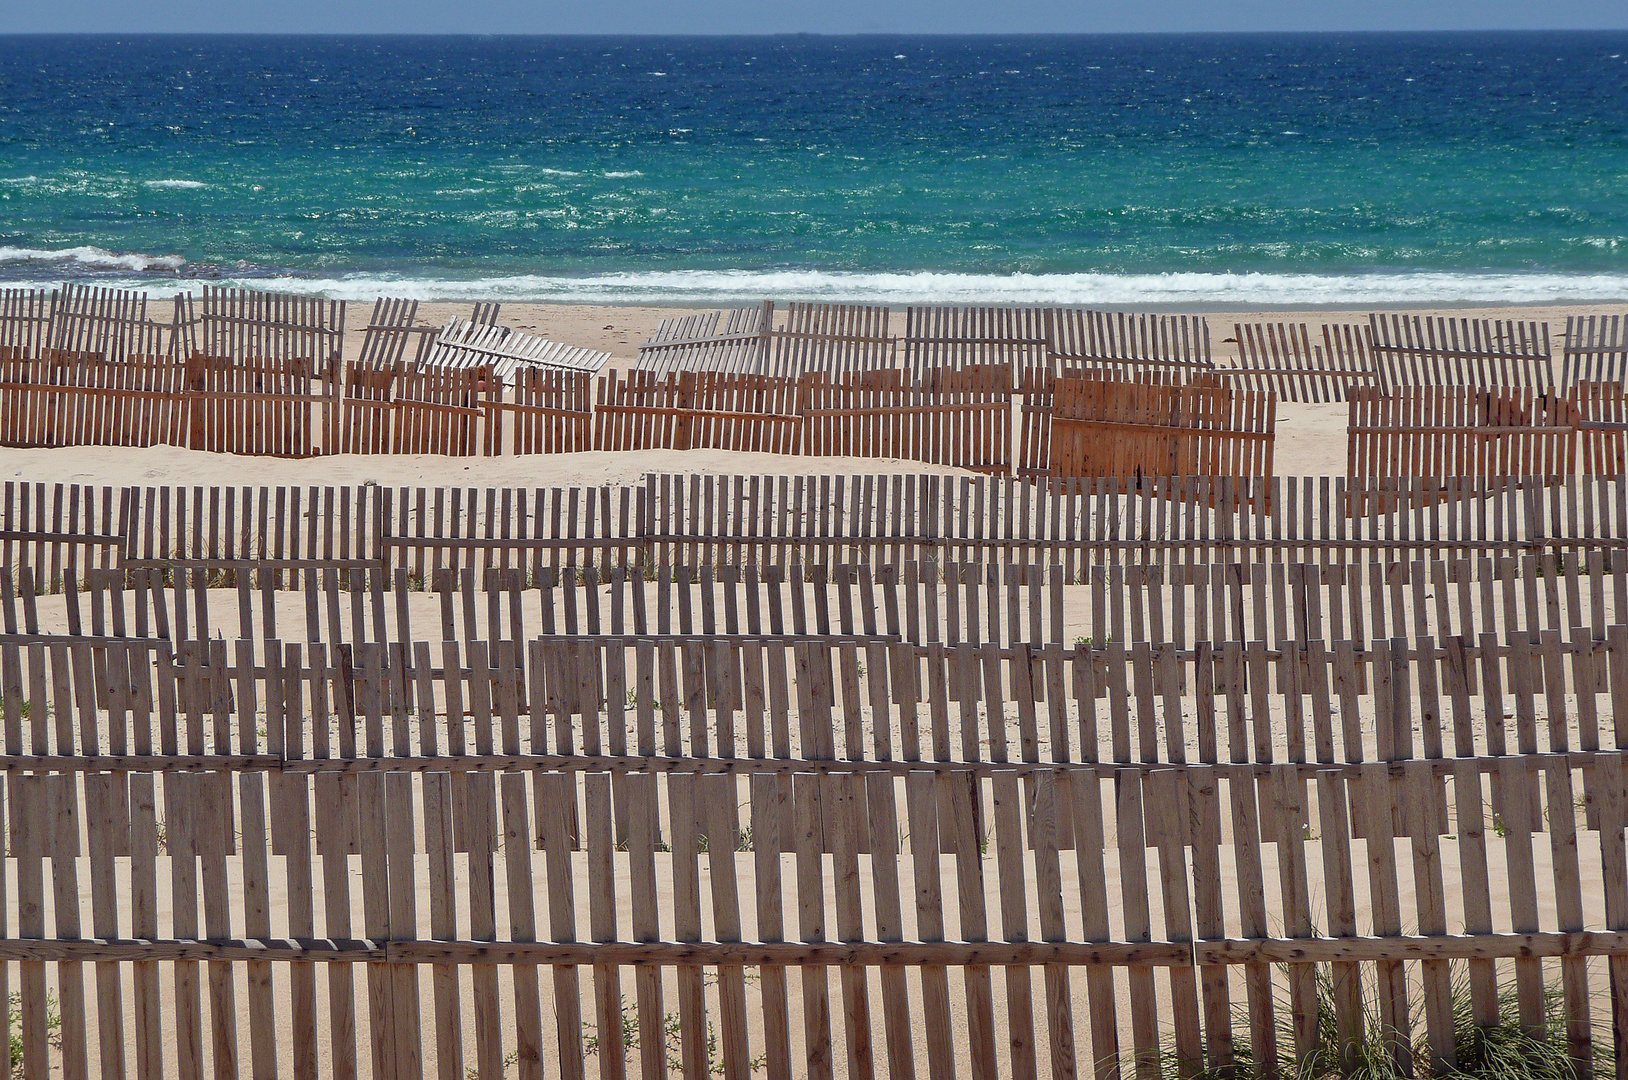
{"x":61,"y":400}
{"x":278,"y":408}
{"x":1130,"y":430}
{"x":1436,"y":431}
{"x":1601,"y":415}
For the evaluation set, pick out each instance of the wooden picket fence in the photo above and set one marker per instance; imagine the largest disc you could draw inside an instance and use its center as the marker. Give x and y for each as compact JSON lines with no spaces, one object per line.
{"x":400,"y":859}
{"x":264,"y":406}
{"x":286,"y":533}
{"x":1037,"y":400}
{"x":1461,"y":431}
{"x":1011,"y":338}
{"x":235,"y":326}
{"x":1282,"y":358}
{"x":1492,"y":354}
{"x":62,"y":399}
{"x":1136,"y":431}
{"x":552,"y":413}
{"x":108,"y":325}
{"x":1601,"y":415}
{"x":969,"y":426}
{"x":1129,"y":345}
{"x":729,"y":341}
{"x":1595,"y":351}
{"x":1513,"y":601}
{"x":465,"y":344}
{"x":25,"y":322}
{"x":831,"y":339}
{"x":406,"y":409}
{"x":689,"y":410}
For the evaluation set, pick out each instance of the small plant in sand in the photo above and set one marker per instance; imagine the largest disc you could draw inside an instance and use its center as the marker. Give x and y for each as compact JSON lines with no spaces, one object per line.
{"x":1501,"y":1051}
{"x":53,"y":1029}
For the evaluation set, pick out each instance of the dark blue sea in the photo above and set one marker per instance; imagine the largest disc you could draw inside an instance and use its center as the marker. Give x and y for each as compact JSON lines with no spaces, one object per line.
{"x":1121,"y":170}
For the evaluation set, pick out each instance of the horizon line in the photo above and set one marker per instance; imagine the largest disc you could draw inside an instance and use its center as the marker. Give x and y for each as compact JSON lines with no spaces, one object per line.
{"x":1622,"y":29}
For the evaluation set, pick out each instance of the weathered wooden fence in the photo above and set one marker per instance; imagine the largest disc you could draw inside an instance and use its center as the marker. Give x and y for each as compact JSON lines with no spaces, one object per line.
{"x":689,"y":410}
{"x":465,"y":344}
{"x":1429,"y":431}
{"x":1601,"y":415}
{"x":1282,"y":358}
{"x":1519,"y":602}
{"x":1596,"y":350}
{"x":968,"y":423}
{"x":234,"y":326}
{"x":25,"y":322}
{"x":551,"y":413}
{"x":730,"y":341}
{"x":399,"y":860}
{"x":1010,"y":338}
{"x":831,"y":339}
{"x":1135,"y":431}
{"x":1491,"y":354}
{"x":1129,"y":344}
{"x":65,"y":400}
{"x":107,"y":325}
{"x":279,"y":533}
{"x":264,"y":406}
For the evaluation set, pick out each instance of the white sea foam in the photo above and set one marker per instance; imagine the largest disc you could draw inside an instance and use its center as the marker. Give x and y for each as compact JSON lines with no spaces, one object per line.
{"x":623,"y":175}
{"x":179,"y":185}
{"x":1191,"y":291}
{"x":94,"y":258}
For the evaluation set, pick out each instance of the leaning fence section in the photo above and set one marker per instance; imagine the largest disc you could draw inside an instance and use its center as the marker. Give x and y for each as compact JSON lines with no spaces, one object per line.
{"x":729,"y":341}
{"x":1596,"y":350}
{"x":1418,"y":350}
{"x":25,"y":322}
{"x":1285,"y":359}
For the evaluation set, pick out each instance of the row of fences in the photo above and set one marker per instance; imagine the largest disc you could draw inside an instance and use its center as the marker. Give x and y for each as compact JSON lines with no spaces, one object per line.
{"x":279,"y":537}
{"x":812,"y":854}
{"x":1298,"y":362}
{"x":942,"y":611}
{"x":1073,"y":425}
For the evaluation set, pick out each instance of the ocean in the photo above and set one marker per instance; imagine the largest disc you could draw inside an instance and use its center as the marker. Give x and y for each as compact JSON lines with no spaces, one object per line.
{"x":1153,"y":171}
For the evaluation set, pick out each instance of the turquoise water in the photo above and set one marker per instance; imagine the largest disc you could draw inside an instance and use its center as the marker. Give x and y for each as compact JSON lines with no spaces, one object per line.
{"x":1175,"y":170}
